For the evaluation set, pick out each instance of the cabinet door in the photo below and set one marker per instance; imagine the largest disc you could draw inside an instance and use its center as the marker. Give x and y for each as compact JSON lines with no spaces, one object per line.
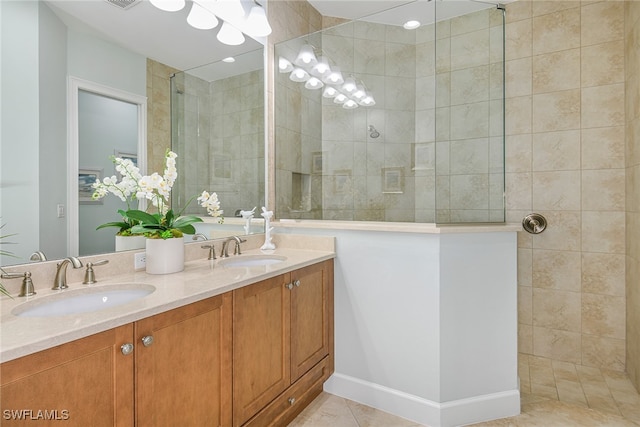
{"x":183,"y":377}
{"x":87,"y":382}
{"x":261,"y":339}
{"x":311,"y":306}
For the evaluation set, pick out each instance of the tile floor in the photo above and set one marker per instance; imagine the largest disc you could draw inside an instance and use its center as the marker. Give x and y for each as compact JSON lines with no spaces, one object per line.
{"x":552,"y":393}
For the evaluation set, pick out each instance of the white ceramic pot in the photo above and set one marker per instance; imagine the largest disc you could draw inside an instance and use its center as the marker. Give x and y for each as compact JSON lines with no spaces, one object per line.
{"x":128,"y":243}
{"x":165,"y":256}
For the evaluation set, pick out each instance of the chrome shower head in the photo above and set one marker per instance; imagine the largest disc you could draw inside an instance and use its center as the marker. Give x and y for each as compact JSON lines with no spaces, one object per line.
{"x":373,"y":133}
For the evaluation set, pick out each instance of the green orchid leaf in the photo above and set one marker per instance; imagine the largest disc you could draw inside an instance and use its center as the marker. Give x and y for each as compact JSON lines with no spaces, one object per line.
{"x":143,"y":217}
{"x":119,"y":224}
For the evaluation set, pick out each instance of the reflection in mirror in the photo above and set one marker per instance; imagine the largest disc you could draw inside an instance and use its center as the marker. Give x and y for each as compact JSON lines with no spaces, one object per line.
{"x":430,"y":149}
{"x":43,"y":44}
{"x":107,"y":127}
{"x":217,"y":114}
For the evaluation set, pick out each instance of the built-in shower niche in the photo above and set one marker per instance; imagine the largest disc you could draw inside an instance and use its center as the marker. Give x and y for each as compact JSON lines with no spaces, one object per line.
{"x":300,"y":193}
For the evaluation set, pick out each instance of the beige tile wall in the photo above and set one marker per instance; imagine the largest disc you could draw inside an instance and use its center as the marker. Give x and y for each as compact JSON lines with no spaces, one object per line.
{"x":565,"y":159}
{"x":158,"y":113}
{"x":586,"y":278}
{"x":219,"y":138}
{"x":632,"y":77}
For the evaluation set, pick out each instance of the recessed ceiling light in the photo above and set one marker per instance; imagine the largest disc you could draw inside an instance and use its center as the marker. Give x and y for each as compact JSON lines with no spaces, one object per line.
{"x":411,"y":25}
{"x":229,"y":59}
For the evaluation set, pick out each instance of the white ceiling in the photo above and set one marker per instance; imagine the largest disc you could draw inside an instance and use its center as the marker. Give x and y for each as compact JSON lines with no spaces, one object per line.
{"x":163,"y":36}
{"x":166,"y":37}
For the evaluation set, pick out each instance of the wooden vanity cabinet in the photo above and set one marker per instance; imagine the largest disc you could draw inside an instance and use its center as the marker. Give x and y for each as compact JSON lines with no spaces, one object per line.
{"x":181,"y":377}
{"x":87,"y":382}
{"x":190,"y":366}
{"x":282,"y":345}
{"x":183,"y":366}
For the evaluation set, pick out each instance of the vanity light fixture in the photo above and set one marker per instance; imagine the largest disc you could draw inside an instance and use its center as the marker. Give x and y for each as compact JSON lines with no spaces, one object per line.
{"x":284,"y":66}
{"x":168,"y":5}
{"x":313,"y":83}
{"x":257,"y":21}
{"x":334,"y":77}
{"x":201,"y":18}
{"x":329,"y":92}
{"x":206,"y":14}
{"x":322,"y":68}
{"x":340,"y":98}
{"x":349,"y":85}
{"x":299,"y":75}
{"x":368,"y":101}
{"x":359,"y":93}
{"x":230,"y":35}
{"x":316,"y":73}
{"x":306,"y":57}
{"x":411,"y":25}
{"x":350,"y":104}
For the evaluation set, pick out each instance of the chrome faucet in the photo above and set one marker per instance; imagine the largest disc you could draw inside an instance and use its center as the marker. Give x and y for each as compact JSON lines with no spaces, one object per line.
{"x":199,"y":236}
{"x":60,"y":282}
{"x":224,"y":252}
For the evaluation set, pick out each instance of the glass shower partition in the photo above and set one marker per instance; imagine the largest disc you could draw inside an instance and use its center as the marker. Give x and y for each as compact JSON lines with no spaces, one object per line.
{"x":419,"y":137}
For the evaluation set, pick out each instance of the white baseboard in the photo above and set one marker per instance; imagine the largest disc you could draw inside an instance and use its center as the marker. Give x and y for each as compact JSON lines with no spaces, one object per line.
{"x":426,"y":412}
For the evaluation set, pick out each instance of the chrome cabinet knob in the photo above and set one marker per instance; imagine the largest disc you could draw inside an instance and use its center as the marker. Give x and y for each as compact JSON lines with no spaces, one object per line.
{"x":292,"y":400}
{"x":147,"y":340}
{"x":289,"y":286}
{"x":296,"y":282}
{"x":126,"y":348}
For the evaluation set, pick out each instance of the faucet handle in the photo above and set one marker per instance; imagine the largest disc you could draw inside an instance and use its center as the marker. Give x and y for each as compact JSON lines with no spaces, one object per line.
{"x":89,"y":275}
{"x":27,"y":288}
{"x":212,"y":250}
{"x":236,"y":250}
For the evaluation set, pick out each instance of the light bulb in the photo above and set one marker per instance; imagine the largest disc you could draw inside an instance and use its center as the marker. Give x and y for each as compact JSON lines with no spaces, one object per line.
{"x":284,"y":66}
{"x":359,"y":92}
{"x":322,"y":68}
{"x":334,"y":77}
{"x":201,"y":18}
{"x":350,"y":104}
{"x":313,"y":83}
{"x":299,"y":75}
{"x":349,"y":85}
{"x":329,"y":92}
{"x":368,"y":101}
{"x":168,"y":5}
{"x":340,"y":98}
{"x":306,"y":57}
{"x":229,"y":59}
{"x":230,"y":35}
{"x":257,"y":22}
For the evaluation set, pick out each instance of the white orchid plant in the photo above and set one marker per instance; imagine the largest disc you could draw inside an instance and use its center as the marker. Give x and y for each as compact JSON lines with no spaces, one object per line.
{"x":156,"y":188}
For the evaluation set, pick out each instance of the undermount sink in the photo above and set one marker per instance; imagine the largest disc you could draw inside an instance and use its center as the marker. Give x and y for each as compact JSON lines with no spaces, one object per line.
{"x":251,"y":260}
{"x":83,"y":300}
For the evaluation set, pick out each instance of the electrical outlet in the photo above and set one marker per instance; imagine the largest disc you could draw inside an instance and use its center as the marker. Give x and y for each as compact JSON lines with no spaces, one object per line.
{"x":140,"y":260}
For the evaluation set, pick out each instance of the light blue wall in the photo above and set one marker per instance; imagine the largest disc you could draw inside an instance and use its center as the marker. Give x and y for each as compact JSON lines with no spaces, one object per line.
{"x":19,"y":154}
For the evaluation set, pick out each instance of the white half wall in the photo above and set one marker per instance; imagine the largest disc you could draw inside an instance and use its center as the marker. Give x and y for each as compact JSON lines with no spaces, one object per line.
{"x":426,"y":323}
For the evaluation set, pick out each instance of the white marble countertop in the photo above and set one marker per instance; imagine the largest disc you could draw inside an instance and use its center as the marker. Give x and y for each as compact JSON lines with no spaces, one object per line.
{"x":20,"y":336}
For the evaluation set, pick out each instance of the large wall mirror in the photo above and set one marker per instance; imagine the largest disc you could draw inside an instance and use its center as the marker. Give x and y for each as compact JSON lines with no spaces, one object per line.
{"x":44,"y":44}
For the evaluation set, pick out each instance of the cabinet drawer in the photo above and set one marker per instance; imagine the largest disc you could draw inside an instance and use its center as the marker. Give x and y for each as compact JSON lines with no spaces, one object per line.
{"x":281,"y":411}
